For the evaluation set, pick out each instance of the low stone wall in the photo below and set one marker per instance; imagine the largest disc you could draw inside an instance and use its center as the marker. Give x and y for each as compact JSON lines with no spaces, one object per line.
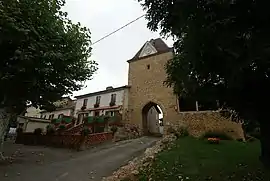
{"x":64,"y":141}
{"x":126,"y":131}
{"x":132,"y":169}
{"x":201,"y":122}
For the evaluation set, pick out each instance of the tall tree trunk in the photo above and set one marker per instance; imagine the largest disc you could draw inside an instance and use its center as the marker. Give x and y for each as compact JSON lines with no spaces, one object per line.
{"x":4,"y":120}
{"x":265,"y":142}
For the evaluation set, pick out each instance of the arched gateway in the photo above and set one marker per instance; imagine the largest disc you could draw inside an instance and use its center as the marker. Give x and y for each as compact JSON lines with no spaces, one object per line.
{"x":148,"y":92}
{"x":152,"y":119}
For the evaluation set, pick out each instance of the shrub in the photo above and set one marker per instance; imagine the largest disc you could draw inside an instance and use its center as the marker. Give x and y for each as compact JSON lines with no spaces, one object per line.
{"x":251,"y":139}
{"x":112,"y":103}
{"x":240,"y":139}
{"x":50,"y":130}
{"x":171,"y":130}
{"x":217,"y":134}
{"x":62,"y":127}
{"x":19,"y":130}
{"x":179,"y":132}
{"x":83,"y":107}
{"x":182,"y":132}
{"x":114,"y":129}
{"x":85,"y":131}
{"x":213,"y":140}
{"x":38,"y":131}
{"x":255,"y":133}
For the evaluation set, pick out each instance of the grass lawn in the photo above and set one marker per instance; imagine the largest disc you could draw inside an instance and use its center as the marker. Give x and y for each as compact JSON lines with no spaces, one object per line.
{"x":197,"y":160}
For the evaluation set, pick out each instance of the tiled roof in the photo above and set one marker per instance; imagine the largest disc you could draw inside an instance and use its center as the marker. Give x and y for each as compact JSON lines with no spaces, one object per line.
{"x":158,"y":44}
{"x":103,"y":92}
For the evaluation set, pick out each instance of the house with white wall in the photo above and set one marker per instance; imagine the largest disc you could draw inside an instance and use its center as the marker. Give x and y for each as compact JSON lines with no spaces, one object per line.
{"x":64,"y":107}
{"x":32,"y":112}
{"x":105,"y":102}
{"x":29,"y":124}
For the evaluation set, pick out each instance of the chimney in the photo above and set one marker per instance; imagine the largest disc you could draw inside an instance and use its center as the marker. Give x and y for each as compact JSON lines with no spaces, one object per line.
{"x":152,"y":41}
{"x":109,"y":87}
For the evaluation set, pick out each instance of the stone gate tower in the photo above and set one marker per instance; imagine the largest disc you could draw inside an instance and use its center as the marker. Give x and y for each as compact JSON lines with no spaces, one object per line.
{"x":146,"y":77}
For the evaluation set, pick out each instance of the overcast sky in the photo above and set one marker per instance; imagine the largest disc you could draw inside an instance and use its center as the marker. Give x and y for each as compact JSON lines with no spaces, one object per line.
{"x":112,"y":53}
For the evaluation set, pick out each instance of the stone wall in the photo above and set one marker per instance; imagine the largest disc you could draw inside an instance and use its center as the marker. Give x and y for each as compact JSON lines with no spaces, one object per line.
{"x":198,"y":123}
{"x":146,"y":78}
{"x":147,"y":85}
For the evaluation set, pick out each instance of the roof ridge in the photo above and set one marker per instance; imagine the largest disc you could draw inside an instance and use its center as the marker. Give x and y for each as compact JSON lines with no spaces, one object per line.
{"x":103,"y":91}
{"x":157,"y":43}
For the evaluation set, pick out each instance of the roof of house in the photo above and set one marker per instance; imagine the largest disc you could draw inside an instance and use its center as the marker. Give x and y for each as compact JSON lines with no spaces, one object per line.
{"x":34,"y":119}
{"x":60,"y":108}
{"x":103,"y":92}
{"x":158,"y":44}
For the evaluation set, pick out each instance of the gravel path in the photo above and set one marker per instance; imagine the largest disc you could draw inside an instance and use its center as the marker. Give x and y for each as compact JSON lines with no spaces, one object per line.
{"x":47,"y":164}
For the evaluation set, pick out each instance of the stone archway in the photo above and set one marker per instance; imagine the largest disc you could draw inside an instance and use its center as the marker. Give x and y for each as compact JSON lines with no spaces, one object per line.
{"x":152,"y":123}
{"x":146,"y":79}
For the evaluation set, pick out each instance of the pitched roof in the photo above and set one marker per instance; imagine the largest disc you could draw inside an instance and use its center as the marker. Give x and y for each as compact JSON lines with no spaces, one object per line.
{"x":60,"y":108}
{"x":103,"y":92}
{"x":35,"y":119}
{"x":158,"y":44}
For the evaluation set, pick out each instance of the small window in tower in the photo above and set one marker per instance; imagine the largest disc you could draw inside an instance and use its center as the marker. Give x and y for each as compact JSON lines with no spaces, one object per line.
{"x":148,"y":66}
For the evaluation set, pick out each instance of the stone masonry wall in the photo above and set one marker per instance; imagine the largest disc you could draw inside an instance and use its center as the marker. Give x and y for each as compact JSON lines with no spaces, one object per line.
{"x":147,"y":85}
{"x":198,"y":123}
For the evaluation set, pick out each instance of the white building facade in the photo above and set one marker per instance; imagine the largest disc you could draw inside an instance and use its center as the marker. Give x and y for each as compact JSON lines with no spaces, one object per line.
{"x":32,"y":112}
{"x":64,"y":107}
{"x":106,"y":102}
{"x":58,"y":113}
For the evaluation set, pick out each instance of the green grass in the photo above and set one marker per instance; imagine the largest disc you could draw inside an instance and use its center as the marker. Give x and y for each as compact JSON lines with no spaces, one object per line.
{"x":197,"y":160}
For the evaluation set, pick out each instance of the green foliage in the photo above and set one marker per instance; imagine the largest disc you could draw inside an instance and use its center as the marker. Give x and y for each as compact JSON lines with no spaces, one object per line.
{"x":50,"y":129}
{"x":178,"y":132}
{"x":221,"y":53}
{"x":240,"y":140}
{"x":19,"y":130}
{"x":171,"y":130}
{"x":112,"y":103}
{"x":194,"y":160}
{"x":85,"y":131}
{"x":114,"y":129}
{"x":182,"y":132}
{"x":217,"y":134}
{"x":43,"y":54}
{"x":62,"y":126}
{"x":38,"y":131}
{"x":251,"y":139}
{"x":255,"y":133}
{"x":220,"y":50}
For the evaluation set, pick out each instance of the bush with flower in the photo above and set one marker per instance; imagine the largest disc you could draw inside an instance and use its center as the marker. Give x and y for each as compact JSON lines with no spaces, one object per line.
{"x":213,"y":140}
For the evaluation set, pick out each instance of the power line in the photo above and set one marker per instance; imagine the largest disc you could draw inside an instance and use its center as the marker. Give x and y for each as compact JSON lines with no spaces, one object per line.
{"x":118,"y":29}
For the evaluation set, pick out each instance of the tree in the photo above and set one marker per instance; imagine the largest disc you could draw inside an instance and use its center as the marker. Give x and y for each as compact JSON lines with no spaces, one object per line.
{"x":222,"y":52}
{"x":43,"y":55}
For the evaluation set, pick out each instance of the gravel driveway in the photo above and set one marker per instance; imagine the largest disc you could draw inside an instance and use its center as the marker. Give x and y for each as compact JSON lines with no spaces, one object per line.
{"x":50,"y":164}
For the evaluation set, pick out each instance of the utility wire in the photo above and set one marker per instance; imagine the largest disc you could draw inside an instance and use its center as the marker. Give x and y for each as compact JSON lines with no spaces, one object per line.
{"x":118,"y":29}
